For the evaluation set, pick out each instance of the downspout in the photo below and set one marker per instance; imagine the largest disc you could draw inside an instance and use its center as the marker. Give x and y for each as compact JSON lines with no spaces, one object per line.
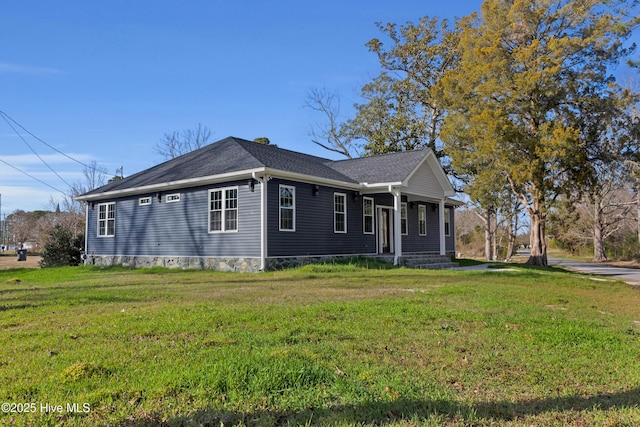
{"x":86,"y":231}
{"x":397,"y":234}
{"x":263,"y":219}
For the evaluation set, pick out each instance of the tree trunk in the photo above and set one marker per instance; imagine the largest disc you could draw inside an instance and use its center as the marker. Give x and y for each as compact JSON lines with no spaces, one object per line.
{"x":538,"y":255}
{"x":487,"y":237}
{"x":513,"y":233}
{"x":638,"y":208}
{"x":599,"y":254}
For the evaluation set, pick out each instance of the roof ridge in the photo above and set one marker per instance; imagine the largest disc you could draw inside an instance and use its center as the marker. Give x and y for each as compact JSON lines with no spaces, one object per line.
{"x":240,"y":142}
{"x":392,"y":153}
{"x":275,"y":147}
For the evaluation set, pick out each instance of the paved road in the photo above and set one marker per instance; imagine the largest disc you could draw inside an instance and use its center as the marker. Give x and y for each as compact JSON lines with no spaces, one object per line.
{"x":629,"y":275}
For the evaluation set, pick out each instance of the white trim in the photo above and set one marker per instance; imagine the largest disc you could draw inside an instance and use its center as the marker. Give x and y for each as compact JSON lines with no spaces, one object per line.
{"x":173,"y":185}
{"x":436,"y":167}
{"x":263,"y":218}
{"x":223,"y":209}
{"x":172,"y":198}
{"x":380,"y":232}
{"x":373,"y":215}
{"x":86,"y":228}
{"x":293,"y":207}
{"x":215,"y":179}
{"x":397,"y":233}
{"x":423,"y":208}
{"x":106,"y":220}
{"x":335,"y":212}
{"x":145,"y":201}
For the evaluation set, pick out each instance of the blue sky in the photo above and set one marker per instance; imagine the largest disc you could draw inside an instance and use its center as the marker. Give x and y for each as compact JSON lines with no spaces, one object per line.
{"x":105,"y":80}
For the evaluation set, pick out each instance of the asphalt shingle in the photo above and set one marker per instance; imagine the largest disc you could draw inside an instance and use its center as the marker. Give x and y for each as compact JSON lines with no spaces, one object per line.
{"x":235,"y":155}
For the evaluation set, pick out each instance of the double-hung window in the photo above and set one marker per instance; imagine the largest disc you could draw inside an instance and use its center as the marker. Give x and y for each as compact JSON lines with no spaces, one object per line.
{"x":107,"y":219}
{"x":367,"y":214}
{"x":287,"y":208}
{"x":223,"y":210}
{"x":339,"y":212}
{"x":422,"y":220}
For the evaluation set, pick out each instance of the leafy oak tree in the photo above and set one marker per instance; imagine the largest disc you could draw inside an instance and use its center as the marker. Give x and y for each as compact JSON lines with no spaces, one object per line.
{"x":418,"y":57}
{"x":401,"y":109}
{"x":529,"y":75}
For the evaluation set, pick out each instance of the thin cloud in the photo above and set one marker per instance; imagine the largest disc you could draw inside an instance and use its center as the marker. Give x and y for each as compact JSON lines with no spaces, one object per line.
{"x":32,"y":159}
{"x":7,"y":68}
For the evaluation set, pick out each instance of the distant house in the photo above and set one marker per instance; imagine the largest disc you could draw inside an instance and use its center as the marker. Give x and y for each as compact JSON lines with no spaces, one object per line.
{"x":242,"y":206}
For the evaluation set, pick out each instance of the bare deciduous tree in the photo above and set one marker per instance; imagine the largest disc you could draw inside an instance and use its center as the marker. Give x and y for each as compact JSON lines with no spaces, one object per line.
{"x":177,"y":143}
{"x":335,"y":134}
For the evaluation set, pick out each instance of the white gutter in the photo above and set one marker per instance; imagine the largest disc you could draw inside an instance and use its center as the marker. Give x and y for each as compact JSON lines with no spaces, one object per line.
{"x":301,"y":177}
{"x":212,"y":179}
{"x":171,"y":185}
{"x":86,"y":230}
{"x":263,"y":218}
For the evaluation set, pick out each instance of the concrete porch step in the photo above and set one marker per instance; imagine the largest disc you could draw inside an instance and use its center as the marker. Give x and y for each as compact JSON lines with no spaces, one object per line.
{"x":428,"y":261}
{"x":437,"y":266}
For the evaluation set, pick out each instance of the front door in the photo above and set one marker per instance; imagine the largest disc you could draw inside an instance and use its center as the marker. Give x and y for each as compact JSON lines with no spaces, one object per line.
{"x":385,"y":230}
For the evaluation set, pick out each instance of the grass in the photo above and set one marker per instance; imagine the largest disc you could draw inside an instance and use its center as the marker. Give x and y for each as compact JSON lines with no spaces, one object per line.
{"x":339,"y":344}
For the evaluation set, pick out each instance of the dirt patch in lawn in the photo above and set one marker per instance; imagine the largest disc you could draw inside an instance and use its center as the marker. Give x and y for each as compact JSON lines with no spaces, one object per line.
{"x":9,"y":260}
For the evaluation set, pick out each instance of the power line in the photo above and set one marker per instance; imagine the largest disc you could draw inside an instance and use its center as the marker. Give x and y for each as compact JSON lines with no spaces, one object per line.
{"x":4,"y":116}
{"x":33,"y":177}
{"x":8,"y":118}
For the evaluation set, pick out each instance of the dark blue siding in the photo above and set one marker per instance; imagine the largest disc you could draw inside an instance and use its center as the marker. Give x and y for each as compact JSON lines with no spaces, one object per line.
{"x":314,"y":234}
{"x":413,"y":242}
{"x":179,"y":228}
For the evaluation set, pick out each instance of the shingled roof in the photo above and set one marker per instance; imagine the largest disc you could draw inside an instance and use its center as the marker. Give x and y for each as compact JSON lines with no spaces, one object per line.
{"x":237,"y":155}
{"x":385,"y":168}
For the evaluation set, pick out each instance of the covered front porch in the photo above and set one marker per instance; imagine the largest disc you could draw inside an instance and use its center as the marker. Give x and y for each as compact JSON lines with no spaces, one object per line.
{"x":409,"y":224}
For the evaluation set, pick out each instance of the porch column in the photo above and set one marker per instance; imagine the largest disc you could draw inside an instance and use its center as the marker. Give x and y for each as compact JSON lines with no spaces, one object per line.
{"x":397,"y":232}
{"x":443,"y":242}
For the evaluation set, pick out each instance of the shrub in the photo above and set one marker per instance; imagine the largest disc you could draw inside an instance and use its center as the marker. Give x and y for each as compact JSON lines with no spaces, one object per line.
{"x":62,"y":248}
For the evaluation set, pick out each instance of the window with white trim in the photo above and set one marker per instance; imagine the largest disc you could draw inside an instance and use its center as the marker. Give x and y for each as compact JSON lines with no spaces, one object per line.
{"x":403,"y":219}
{"x":447,"y":222}
{"x":367,"y":214}
{"x":339,"y":213}
{"x":287,"y":211}
{"x":422,"y":220}
{"x":172,"y":198}
{"x":223,"y":210}
{"x":144,"y":201}
{"x":107,"y":219}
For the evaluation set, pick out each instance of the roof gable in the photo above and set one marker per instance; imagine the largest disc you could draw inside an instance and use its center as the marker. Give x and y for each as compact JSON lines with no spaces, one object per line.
{"x":385,"y":168}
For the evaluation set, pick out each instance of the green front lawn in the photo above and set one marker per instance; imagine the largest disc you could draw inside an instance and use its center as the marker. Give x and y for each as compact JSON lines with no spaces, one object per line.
{"x":319,"y":345}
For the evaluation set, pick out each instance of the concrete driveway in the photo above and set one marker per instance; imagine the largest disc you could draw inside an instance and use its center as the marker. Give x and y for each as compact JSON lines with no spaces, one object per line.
{"x":629,"y":275}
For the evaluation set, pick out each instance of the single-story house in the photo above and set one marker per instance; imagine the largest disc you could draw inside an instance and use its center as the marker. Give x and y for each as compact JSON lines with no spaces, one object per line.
{"x":245,"y":206}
